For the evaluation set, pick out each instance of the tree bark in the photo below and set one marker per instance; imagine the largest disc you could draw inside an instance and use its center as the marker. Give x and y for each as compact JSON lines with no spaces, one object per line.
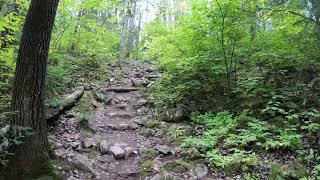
{"x":123,"y":33}
{"x":32,"y":157}
{"x":138,"y":36}
{"x":132,"y":13}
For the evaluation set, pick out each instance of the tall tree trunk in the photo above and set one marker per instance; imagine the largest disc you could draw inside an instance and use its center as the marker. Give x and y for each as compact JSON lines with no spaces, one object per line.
{"x":32,"y":157}
{"x":138,"y":36}
{"x":123,"y":33}
{"x":132,"y":12}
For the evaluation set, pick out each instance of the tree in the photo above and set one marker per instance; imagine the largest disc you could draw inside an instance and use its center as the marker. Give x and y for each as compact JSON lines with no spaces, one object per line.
{"x":31,"y":157}
{"x":132,"y":13}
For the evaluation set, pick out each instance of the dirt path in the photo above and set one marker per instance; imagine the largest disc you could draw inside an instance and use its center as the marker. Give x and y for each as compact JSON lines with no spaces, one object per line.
{"x":123,"y":140}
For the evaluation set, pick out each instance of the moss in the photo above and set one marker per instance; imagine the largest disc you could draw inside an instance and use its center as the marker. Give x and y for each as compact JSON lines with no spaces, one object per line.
{"x":177,"y":166}
{"x":92,"y":152}
{"x":38,"y":168}
{"x":146,"y":168}
{"x":84,"y":104}
{"x":149,"y":154}
{"x":152,"y":123}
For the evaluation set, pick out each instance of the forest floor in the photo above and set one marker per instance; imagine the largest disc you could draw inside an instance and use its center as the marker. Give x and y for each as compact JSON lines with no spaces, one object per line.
{"x":113,"y":133}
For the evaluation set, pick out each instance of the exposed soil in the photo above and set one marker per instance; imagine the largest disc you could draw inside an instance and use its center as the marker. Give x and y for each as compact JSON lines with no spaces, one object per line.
{"x":118,"y":143}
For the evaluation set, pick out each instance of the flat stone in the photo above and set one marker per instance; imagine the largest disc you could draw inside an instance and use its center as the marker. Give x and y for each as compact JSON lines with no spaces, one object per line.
{"x":140,"y":120}
{"x":124,"y":127}
{"x":142,"y":102}
{"x":112,"y":126}
{"x":134,"y":126}
{"x":128,"y":173}
{"x":121,"y":115}
{"x":164,"y":149}
{"x":118,"y":152}
{"x":121,"y":144}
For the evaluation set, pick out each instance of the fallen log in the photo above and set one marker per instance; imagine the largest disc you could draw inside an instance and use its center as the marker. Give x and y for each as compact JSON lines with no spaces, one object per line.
{"x":121,"y":89}
{"x":54,"y":111}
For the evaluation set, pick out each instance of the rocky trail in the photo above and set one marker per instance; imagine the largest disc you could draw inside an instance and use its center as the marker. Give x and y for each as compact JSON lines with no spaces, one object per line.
{"x":121,"y":137}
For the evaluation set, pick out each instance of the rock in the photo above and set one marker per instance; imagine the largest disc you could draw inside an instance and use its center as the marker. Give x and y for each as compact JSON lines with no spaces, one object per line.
{"x":200,"y":171}
{"x":118,"y":152}
{"x":88,"y":143}
{"x":104,"y":147}
{"x":152,"y":123}
{"x":121,"y":144}
{"x":167,"y":176}
{"x":140,"y":120}
{"x":128,"y":173}
{"x":146,"y":132}
{"x":124,"y":127}
{"x":142,"y":102}
{"x":112,"y":126}
{"x":149,"y":69}
{"x":130,"y":152}
{"x":176,"y":167}
{"x":75,"y":145}
{"x":140,"y":82}
{"x":164,"y":149}
{"x":293,"y":170}
{"x":138,"y":74}
{"x":156,"y":177}
{"x":83,"y":163}
{"x":94,"y":104}
{"x":124,"y":115}
{"x":134,"y":126}
{"x":173,"y":115}
{"x":122,"y":106}
{"x":98,"y":96}
{"x":191,"y":153}
{"x":66,"y":168}
{"x":69,"y":115}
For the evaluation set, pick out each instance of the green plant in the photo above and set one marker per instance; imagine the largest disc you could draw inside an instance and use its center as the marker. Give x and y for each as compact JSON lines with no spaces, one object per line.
{"x":10,"y":137}
{"x":84,"y":121}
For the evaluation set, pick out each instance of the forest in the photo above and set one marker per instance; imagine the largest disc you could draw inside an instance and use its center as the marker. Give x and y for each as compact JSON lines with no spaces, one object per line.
{"x":160,"y":89}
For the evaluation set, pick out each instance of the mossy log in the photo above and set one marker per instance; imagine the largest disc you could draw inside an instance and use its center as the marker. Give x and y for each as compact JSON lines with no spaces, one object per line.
{"x":53,"y":112}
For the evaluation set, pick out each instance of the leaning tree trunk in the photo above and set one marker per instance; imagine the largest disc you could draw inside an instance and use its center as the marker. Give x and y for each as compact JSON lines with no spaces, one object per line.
{"x":32,"y":157}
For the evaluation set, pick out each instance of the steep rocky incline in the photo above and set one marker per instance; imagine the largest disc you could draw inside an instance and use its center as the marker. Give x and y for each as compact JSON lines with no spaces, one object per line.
{"x":119,"y":136}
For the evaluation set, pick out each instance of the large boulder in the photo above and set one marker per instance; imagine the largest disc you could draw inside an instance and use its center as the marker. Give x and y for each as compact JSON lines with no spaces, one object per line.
{"x":173,"y":115}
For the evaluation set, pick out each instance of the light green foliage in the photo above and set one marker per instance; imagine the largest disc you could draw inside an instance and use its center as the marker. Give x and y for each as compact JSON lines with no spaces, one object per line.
{"x":231,"y":142}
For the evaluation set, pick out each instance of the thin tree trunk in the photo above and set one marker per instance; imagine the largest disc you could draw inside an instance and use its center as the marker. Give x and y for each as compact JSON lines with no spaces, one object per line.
{"x":138,"y":36}
{"x":31,"y":158}
{"x":132,"y":12}
{"x":123,"y":33}
{"x":77,"y":28}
